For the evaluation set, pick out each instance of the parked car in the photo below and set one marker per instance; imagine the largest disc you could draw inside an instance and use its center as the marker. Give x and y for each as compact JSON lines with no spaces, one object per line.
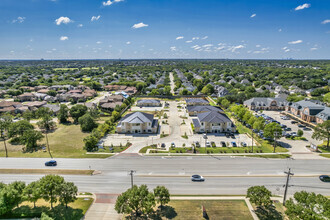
{"x":232,"y":135}
{"x":294,"y":134}
{"x":51,"y":163}
{"x":283,"y":126}
{"x":301,"y":126}
{"x":307,"y":129}
{"x":173,"y":144}
{"x":325,"y":178}
{"x":243,"y":144}
{"x":227,"y":135}
{"x":223,"y":144}
{"x":208,"y":144}
{"x":197,"y":178}
{"x":287,"y":135}
{"x":204,"y":136}
{"x":163,"y":145}
{"x":294,"y":122}
{"x":287,"y":129}
{"x":213,"y":144}
{"x":197,"y":144}
{"x":233,"y":144}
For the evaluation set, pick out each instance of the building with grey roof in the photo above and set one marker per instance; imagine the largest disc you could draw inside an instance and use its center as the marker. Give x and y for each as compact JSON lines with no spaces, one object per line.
{"x":260,"y":103}
{"x":138,"y":122}
{"x":308,"y":110}
{"x":323,"y":115}
{"x":213,"y":122}
{"x":196,"y":101}
{"x":148,"y":103}
{"x":196,"y":109}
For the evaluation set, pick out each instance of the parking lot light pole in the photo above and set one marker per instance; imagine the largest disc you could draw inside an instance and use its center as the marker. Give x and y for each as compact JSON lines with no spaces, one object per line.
{"x":131,"y":173}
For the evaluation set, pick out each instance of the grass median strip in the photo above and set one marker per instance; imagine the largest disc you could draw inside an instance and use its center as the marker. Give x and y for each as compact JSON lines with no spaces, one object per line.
{"x":46,"y":171}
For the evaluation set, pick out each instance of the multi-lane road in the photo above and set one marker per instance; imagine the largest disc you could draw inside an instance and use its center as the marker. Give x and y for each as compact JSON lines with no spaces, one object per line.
{"x":224,"y":175}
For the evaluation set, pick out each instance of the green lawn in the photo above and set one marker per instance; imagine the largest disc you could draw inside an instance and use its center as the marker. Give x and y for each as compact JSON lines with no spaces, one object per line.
{"x":323,"y":148}
{"x":216,"y":209}
{"x":281,"y":156}
{"x":75,"y":210}
{"x":325,"y":155}
{"x":65,"y":142}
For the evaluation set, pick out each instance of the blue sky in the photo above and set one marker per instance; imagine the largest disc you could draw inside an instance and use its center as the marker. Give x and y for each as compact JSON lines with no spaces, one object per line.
{"x":129,"y":29}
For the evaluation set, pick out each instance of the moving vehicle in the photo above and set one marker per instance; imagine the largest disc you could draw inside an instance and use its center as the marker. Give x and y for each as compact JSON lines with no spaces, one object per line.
{"x":197,"y":178}
{"x":51,"y":163}
{"x":325,"y":178}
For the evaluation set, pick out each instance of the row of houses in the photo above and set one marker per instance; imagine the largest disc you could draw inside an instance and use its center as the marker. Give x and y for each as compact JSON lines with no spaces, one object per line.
{"x":312,"y":111}
{"x":130,"y":90}
{"x":17,"y":107}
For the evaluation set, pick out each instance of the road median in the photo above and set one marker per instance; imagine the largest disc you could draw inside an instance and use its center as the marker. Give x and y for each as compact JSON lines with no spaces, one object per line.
{"x":230,"y":176}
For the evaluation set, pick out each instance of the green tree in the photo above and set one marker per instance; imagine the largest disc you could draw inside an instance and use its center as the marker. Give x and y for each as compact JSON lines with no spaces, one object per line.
{"x":63,"y":114}
{"x":259,"y":195}
{"x":300,"y":133}
{"x":19,"y":187}
{"x":44,"y":216}
{"x":87,"y":123}
{"x":50,"y":187}
{"x":162,"y":195}
{"x":208,"y":89}
{"x":5,"y":122}
{"x":32,"y":192}
{"x":30,"y":139}
{"x":225,"y":103}
{"x":8,"y":200}
{"x":326,"y":98}
{"x":46,"y":123}
{"x":307,"y":205}
{"x":273,"y":131}
{"x":28,"y":115}
{"x":68,"y":193}
{"x":322,"y":132}
{"x":17,"y":129}
{"x":259,"y":124}
{"x":77,"y":111}
{"x":91,"y":143}
{"x":136,"y":200}
{"x":52,"y":93}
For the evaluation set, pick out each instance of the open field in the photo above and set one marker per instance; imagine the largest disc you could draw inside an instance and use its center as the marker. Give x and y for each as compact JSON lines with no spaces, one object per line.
{"x":216,"y":209}
{"x":75,"y":210}
{"x":65,"y":142}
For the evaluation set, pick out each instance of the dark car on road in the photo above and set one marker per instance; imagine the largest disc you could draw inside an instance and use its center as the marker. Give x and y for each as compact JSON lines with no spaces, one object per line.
{"x":325,"y":178}
{"x":197,"y":178}
{"x":51,"y":163}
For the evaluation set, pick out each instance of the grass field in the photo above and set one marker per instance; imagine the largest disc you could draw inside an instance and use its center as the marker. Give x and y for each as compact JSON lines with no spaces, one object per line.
{"x":65,"y":142}
{"x":325,"y":155}
{"x":216,"y":209}
{"x":75,"y":210}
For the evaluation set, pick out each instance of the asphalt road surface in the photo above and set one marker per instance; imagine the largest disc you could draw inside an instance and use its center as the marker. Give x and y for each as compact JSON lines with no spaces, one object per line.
{"x":224,"y":175}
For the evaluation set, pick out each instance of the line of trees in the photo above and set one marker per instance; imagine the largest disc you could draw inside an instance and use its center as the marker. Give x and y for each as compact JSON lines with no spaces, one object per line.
{"x":51,"y":188}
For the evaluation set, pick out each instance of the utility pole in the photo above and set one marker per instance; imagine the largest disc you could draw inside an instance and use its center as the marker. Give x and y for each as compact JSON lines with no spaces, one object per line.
{"x":131,"y":173}
{"x":287,"y":184}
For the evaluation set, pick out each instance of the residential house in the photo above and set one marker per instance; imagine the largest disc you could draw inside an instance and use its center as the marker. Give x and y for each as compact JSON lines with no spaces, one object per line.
{"x":260,"y":103}
{"x":26,"y":97}
{"x":9,"y":106}
{"x":213,"y":122}
{"x":307,"y":110}
{"x":138,"y":122}
{"x":323,"y":115}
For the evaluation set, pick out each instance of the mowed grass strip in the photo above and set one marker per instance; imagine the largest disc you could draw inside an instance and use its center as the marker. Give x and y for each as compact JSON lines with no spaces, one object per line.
{"x":46,"y":171}
{"x":216,"y":209}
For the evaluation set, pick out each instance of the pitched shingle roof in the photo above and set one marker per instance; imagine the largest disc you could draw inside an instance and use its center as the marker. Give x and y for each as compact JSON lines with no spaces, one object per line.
{"x":213,"y":117}
{"x":137,"y":117}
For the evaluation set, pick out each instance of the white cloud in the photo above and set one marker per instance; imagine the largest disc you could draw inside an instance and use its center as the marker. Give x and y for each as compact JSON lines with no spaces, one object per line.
{"x":295,"y":42}
{"x":189,"y":41}
{"x":280,"y":30}
{"x":19,"y":20}
{"x":64,"y":20}
{"x":204,"y":38}
{"x":303,"y":6}
{"x":325,"y":21}
{"x":139,"y":25}
{"x":128,"y":42}
{"x":179,"y":38}
{"x":95,"y":18}
{"x":64,"y":38}
{"x":287,"y":50}
{"x":253,"y":15}
{"x":173,"y":48}
{"x":208,"y":45}
{"x":80,"y":25}
{"x":234,"y":48}
{"x":258,"y":45}
{"x":314,"y":48}
{"x":99,"y":42}
{"x":195,"y":38}
{"x":109,"y":2}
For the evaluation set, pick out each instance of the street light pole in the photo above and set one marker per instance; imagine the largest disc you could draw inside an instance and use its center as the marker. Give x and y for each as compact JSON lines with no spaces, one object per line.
{"x":287,"y":184}
{"x":131,"y":173}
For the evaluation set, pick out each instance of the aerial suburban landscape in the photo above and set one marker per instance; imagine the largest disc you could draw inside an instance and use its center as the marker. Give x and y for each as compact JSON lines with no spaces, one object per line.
{"x":100,"y":122}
